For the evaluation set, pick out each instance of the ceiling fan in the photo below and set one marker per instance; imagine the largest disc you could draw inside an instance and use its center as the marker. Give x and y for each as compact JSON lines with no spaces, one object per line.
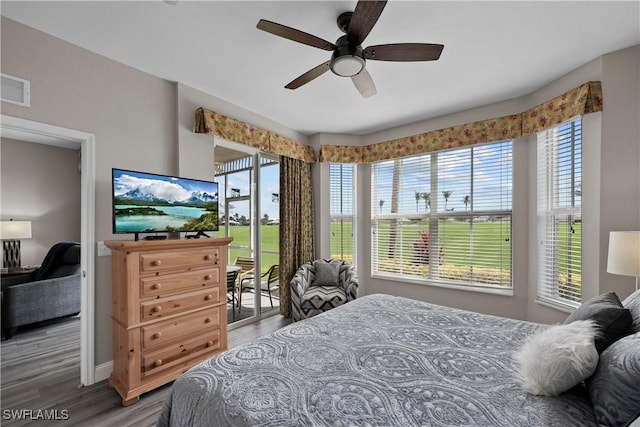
{"x":349,"y":58}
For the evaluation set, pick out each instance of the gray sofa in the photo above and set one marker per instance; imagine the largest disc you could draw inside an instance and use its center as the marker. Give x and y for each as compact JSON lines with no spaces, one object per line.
{"x":50,"y":292}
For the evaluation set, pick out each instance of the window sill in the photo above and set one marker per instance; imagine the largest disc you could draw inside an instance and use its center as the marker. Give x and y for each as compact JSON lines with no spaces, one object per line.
{"x":556,"y":306}
{"x":448,"y":285}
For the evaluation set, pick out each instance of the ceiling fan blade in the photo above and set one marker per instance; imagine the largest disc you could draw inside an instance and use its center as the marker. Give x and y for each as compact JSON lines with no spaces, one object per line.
{"x":404,"y":52}
{"x":295,"y":35}
{"x":364,"y":83}
{"x":364,"y":17}
{"x":309,"y":75}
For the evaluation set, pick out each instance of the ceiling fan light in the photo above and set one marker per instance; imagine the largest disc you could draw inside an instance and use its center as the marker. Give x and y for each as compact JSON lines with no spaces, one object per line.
{"x":347,"y":65}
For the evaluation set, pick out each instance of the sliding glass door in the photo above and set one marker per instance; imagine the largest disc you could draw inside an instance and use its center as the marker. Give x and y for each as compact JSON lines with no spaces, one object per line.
{"x":249,"y":192}
{"x":268,"y":228}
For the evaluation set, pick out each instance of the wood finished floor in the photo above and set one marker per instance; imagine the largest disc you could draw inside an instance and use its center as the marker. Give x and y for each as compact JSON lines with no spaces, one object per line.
{"x":40,"y":370}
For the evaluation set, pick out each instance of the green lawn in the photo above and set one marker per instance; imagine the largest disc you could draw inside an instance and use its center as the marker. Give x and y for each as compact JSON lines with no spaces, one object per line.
{"x":491,"y":242}
{"x":270,"y":236}
{"x":488,"y":247}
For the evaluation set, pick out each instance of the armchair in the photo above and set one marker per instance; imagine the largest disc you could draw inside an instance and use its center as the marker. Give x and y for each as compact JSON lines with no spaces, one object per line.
{"x":51,"y":291}
{"x":321,"y":285}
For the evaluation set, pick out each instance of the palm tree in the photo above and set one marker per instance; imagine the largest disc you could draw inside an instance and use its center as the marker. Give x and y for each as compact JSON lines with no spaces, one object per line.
{"x":446,"y":195}
{"x":395,"y":189}
{"x":418,"y":196}
{"x":427,"y":200}
{"x":380,"y":203}
{"x":466,"y":201}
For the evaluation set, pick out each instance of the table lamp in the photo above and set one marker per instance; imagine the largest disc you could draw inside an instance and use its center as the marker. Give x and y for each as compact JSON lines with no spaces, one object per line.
{"x":11,"y":232}
{"x":624,"y":253}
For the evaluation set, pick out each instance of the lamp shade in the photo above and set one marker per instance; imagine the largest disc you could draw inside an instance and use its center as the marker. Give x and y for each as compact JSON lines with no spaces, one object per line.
{"x":15,"y":230}
{"x":624,"y":253}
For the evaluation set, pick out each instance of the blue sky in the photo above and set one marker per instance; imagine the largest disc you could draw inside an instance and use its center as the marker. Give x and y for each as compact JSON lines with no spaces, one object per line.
{"x":492,"y":172}
{"x":270,"y":184}
{"x":166,"y":187}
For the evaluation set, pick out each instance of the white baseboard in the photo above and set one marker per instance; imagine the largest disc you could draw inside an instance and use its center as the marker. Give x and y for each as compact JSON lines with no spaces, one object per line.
{"x":103,"y":371}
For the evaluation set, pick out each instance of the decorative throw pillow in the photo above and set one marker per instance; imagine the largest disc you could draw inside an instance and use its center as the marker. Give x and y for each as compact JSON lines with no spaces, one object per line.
{"x":612,"y":319}
{"x":558,"y":358}
{"x":615,"y":387}
{"x":326,"y":273}
{"x":632,"y":303}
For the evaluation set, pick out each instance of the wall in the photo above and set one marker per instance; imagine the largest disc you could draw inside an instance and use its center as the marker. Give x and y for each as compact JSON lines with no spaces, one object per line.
{"x":132,"y":115}
{"x":145,"y":123}
{"x":611,"y":181}
{"x":620,"y":154}
{"x":195,"y":151}
{"x":140,"y":122}
{"x":41,"y":184}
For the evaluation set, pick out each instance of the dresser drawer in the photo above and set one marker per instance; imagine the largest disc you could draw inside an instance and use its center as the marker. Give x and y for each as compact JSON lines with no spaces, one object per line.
{"x":163,"y":307}
{"x":171,"y":283}
{"x":174,"y":354}
{"x":164,"y":332}
{"x":161,"y":261}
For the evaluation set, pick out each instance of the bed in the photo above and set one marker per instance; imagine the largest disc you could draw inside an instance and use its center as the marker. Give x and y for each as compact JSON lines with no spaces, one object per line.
{"x":380,"y":360}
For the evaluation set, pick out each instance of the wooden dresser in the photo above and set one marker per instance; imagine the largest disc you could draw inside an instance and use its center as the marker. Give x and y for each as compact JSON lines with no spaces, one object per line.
{"x":169,"y":310}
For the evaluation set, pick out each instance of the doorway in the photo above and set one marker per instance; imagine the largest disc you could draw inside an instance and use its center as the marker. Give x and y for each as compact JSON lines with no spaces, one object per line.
{"x":41,"y":133}
{"x":249,"y":194}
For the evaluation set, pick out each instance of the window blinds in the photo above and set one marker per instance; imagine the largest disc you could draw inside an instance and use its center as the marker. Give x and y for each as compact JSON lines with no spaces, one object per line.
{"x":341,"y":201}
{"x":445,"y":216}
{"x":559,"y":185}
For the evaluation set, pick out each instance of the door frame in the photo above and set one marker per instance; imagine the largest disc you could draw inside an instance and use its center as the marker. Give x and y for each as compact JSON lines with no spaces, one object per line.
{"x":42,"y":133}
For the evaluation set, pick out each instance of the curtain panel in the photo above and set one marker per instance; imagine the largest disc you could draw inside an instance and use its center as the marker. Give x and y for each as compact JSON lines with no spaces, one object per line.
{"x":296,"y":224}
{"x":584,"y":99}
{"x":231,"y":129}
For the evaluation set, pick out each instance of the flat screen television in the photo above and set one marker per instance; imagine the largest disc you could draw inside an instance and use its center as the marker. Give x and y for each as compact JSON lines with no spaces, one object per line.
{"x":152,"y":203}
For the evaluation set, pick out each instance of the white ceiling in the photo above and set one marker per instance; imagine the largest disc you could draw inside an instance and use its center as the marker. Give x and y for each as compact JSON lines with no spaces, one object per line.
{"x":493,"y":51}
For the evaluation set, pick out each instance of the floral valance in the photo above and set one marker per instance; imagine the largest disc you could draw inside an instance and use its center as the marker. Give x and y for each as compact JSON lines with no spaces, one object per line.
{"x":456,"y":136}
{"x":581,"y":100}
{"x":228,"y":128}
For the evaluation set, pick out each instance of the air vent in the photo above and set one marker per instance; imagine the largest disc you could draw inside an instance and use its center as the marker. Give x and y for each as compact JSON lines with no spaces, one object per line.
{"x":15,"y":90}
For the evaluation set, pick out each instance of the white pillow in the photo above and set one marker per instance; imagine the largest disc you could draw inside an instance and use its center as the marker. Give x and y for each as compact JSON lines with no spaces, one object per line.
{"x":558,"y":358}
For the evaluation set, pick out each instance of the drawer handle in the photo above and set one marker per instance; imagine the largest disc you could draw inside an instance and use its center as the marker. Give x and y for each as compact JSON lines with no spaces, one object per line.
{"x":208,"y":297}
{"x":208,"y":277}
{"x":156,"y":335}
{"x":156,"y":309}
{"x":156,"y":286}
{"x":209,"y":343}
{"x":158,"y":362}
{"x":207,"y":257}
{"x":156,"y":263}
{"x":208,"y":320}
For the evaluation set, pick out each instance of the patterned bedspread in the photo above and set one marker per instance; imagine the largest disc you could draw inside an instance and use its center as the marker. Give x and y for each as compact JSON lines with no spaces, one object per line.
{"x":377,"y":361}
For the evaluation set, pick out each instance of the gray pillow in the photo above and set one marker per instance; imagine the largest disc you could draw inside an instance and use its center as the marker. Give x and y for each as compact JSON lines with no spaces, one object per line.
{"x":632,"y":303}
{"x":614,"y":321}
{"x":614,"y":389}
{"x":326,"y":273}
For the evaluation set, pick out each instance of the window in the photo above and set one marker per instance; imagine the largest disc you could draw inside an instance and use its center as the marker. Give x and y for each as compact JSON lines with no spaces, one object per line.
{"x":559,"y":214}
{"x":341,"y":190}
{"x":445,"y":216}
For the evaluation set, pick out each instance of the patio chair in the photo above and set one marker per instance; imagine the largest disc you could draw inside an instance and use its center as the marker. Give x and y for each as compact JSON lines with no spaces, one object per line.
{"x":269,"y":285}
{"x":246,"y":266}
{"x":232,"y":276}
